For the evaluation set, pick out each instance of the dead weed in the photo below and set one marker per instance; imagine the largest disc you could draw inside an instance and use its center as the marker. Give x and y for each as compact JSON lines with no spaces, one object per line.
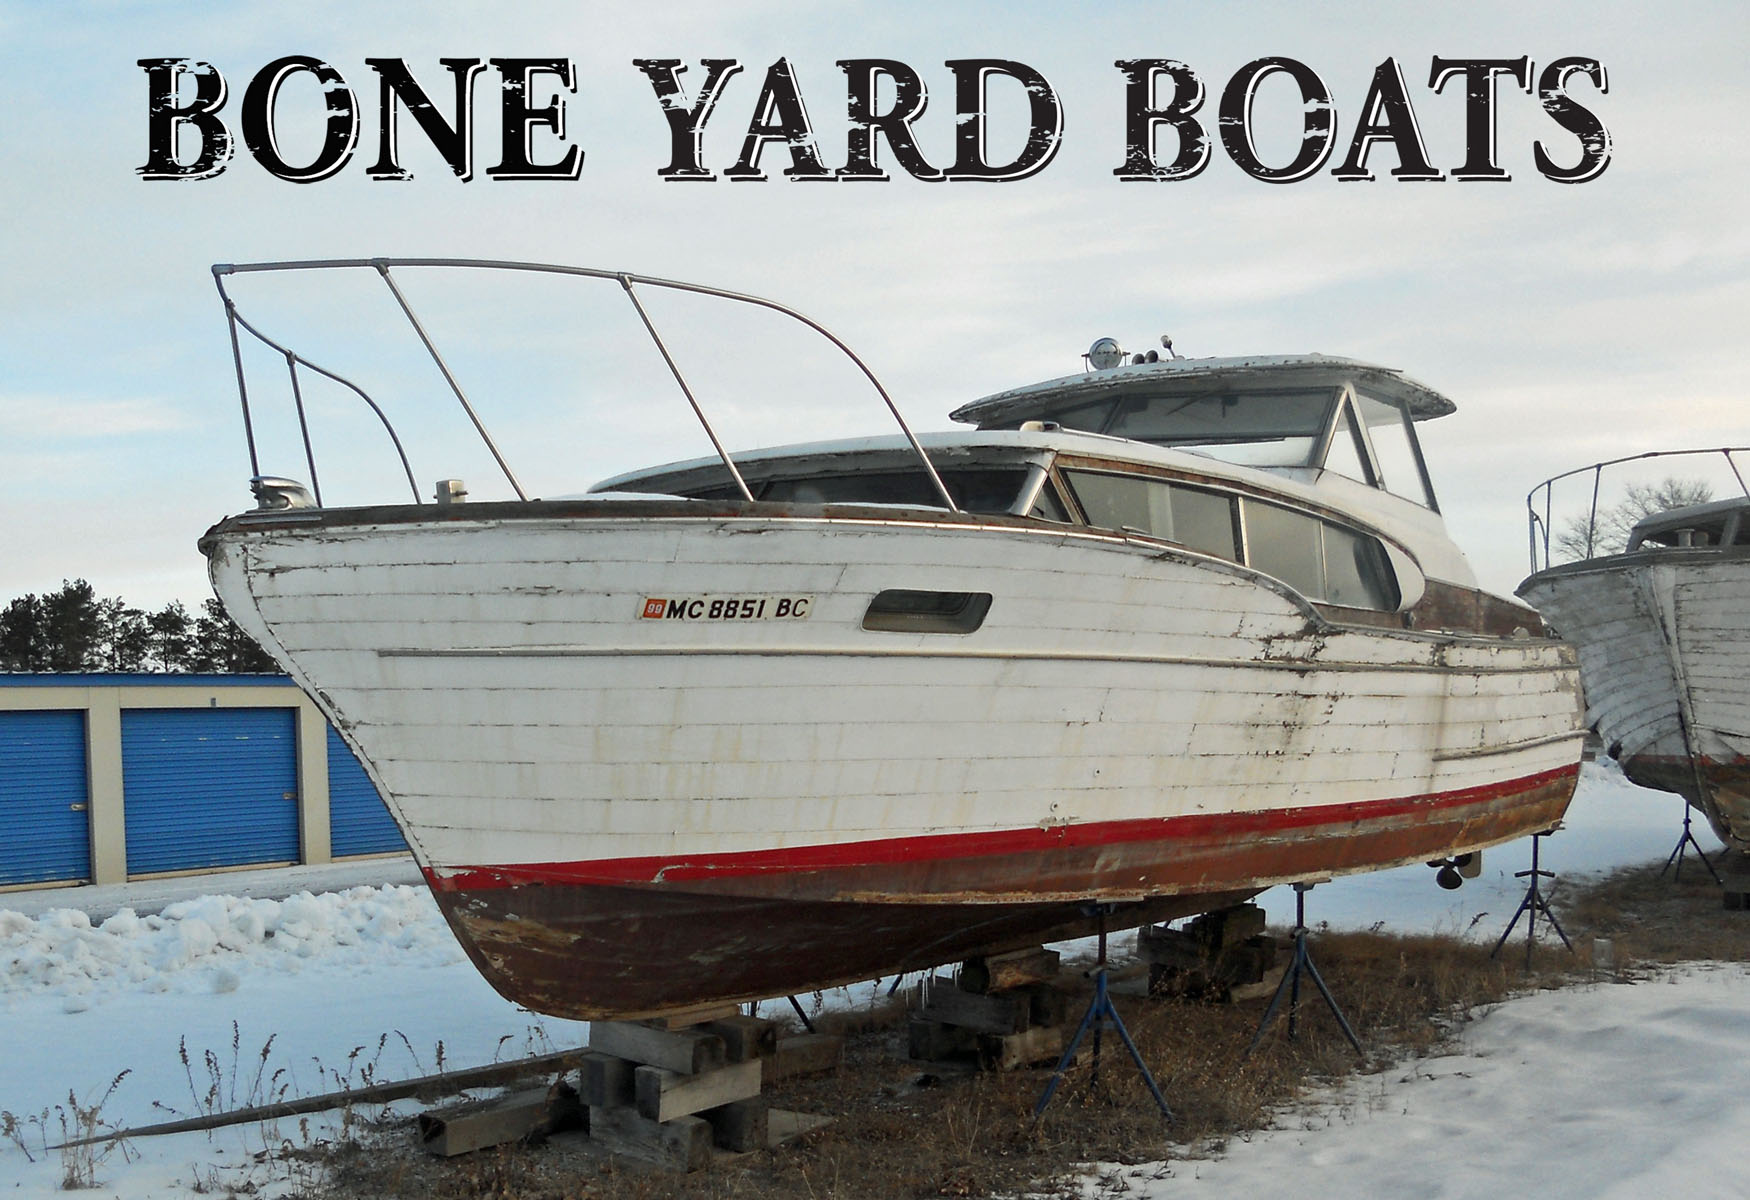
{"x":904,"y":1130}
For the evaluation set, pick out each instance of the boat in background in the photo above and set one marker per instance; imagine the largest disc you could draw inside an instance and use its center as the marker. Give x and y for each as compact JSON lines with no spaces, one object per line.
{"x":1149,"y":639}
{"x":1663,"y":630}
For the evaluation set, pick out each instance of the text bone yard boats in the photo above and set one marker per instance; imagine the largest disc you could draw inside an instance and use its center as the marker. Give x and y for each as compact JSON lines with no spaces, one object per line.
{"x":1155,"y":637}
{"x":1663,"y":631}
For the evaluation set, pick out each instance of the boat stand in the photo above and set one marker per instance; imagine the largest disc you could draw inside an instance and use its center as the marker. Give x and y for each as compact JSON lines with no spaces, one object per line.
{"x":1531,"y":905}
{"x":1301,"y":961}
{"x":806,"y":1023}
{"x":1101,"y":1015}
{"x":1683,"y":844}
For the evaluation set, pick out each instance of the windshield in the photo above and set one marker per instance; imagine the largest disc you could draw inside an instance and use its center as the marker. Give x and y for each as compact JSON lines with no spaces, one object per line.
{"x":975,"y":489}
{"x":1262,"y":428}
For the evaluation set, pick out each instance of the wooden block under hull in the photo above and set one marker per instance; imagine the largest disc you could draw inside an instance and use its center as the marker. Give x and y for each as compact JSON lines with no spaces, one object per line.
{"x":683,"y":1144}
{"x":664,"y":1095}
{"x":745,"y":1038}
{"x":1004,"y":972}
{"x":804,"y":1054}
{"x":1003,"y":1013}
{"x":740,"y":1125}
{"x":686,"y":1051}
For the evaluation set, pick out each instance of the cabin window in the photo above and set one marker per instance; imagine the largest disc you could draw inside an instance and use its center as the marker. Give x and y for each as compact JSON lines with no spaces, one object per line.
{"x":1393,"y":436}
{"x":1357,"y":573}
{"x":1322,"y":560}
{"x":1319,"y":559}
{"x":1193,"y":517}
{"x":1048,"y":505}
{"x":1205,"y":521}
{"x":1286,"y":544}
{"x":1124,"y":502}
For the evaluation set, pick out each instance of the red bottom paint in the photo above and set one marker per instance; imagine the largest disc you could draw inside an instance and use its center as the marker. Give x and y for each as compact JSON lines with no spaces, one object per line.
{"x":605,"y":939}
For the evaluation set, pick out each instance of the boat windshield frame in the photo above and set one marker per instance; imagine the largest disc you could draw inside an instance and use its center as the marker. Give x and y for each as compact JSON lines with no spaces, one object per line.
{"x":274,"y":492}
{"x":1343,"y":426}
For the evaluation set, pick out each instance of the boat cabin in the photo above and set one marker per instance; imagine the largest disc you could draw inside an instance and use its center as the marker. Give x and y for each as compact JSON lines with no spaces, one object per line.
{"x":1309,"y":411}
{"x":1247,"y":445}
{"x":1722,"y":523}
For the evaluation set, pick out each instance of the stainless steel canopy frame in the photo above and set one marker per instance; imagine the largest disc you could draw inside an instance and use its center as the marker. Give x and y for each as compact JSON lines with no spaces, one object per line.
{"x":628,"y":281}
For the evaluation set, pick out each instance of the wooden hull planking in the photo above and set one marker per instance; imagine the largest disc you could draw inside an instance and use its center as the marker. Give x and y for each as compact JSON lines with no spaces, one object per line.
{"x":1664,"y":641}
{"x":620,"y":815}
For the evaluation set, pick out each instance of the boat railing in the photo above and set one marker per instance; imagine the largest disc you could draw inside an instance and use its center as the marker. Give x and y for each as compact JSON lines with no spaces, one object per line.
{"x":385,"y":268}
{"x":1539,"y":502}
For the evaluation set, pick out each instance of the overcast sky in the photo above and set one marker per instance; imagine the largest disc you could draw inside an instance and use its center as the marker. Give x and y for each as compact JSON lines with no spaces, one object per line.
{"x":1569,"y":322}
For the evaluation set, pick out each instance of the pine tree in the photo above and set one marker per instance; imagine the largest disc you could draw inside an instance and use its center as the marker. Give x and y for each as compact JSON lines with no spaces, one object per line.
{"x":73,"y":628}
{"x":22,"y":646}
{"x":171,"y":631}
{"x":222,"y":646}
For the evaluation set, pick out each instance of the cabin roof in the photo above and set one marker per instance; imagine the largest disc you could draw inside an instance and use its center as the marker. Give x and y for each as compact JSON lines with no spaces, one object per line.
{"x":1190,"y":376}
{"x":1679,"y":518}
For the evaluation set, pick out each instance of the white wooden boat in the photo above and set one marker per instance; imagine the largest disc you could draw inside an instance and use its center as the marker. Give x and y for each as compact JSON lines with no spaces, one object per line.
{"x":1156,"y":635}
{"x":1663,"y":631}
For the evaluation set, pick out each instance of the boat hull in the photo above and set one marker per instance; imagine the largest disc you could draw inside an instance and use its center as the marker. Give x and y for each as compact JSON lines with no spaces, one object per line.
{"x":1664,"y":641}
{"x":621,"y":815}
{"x":588,"y":949}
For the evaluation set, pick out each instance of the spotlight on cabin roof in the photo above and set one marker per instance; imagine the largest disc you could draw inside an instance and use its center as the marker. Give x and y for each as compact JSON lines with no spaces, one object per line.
{"x":1104,"y":354}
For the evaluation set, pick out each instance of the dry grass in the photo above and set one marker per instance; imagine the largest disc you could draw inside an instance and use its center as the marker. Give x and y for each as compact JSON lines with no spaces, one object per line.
{"x":904,"y":1130}
{"x":1653,"y":918}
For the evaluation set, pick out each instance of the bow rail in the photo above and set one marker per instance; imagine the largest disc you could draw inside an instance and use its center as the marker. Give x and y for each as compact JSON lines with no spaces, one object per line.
{"x":1539,"y":522}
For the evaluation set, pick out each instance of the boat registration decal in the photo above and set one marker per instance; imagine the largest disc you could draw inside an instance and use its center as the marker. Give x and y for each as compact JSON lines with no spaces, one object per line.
{"x":727,"y":608}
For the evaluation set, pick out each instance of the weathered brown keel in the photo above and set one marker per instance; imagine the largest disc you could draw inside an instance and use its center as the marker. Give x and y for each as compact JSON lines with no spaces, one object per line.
{"x":625,"y":952}
{"x":1720,"y":791}
{"x":590,"y":950}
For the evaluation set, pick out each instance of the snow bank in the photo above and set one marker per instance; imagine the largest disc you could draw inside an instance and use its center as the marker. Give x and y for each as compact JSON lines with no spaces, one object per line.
{"x":204,"y":945}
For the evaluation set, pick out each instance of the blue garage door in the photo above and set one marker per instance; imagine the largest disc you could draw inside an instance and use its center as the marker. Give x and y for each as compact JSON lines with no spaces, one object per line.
{"x":209,"y":787}
{"x":358,"y":823}
{"x":43,"y":798}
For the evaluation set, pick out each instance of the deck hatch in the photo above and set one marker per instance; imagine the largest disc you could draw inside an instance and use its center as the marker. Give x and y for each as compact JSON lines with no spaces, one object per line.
{"x":905,"y":610}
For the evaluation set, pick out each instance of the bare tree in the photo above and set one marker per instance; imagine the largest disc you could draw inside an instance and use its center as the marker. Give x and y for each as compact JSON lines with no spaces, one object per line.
{"x":1608,"y":530}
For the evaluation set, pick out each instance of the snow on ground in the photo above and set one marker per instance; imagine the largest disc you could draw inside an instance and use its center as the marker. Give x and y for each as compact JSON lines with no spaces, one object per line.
{"x":318,"y":975}
{"x":1575,"y":1090}
{"x":1610,"y":1091}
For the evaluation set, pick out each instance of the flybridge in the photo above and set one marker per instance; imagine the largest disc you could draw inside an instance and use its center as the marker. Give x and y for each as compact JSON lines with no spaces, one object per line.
{"x":1007,"y":124}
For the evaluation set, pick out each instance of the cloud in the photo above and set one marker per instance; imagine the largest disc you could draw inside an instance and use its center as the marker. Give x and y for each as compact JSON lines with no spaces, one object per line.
{"x":31,"y":417}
